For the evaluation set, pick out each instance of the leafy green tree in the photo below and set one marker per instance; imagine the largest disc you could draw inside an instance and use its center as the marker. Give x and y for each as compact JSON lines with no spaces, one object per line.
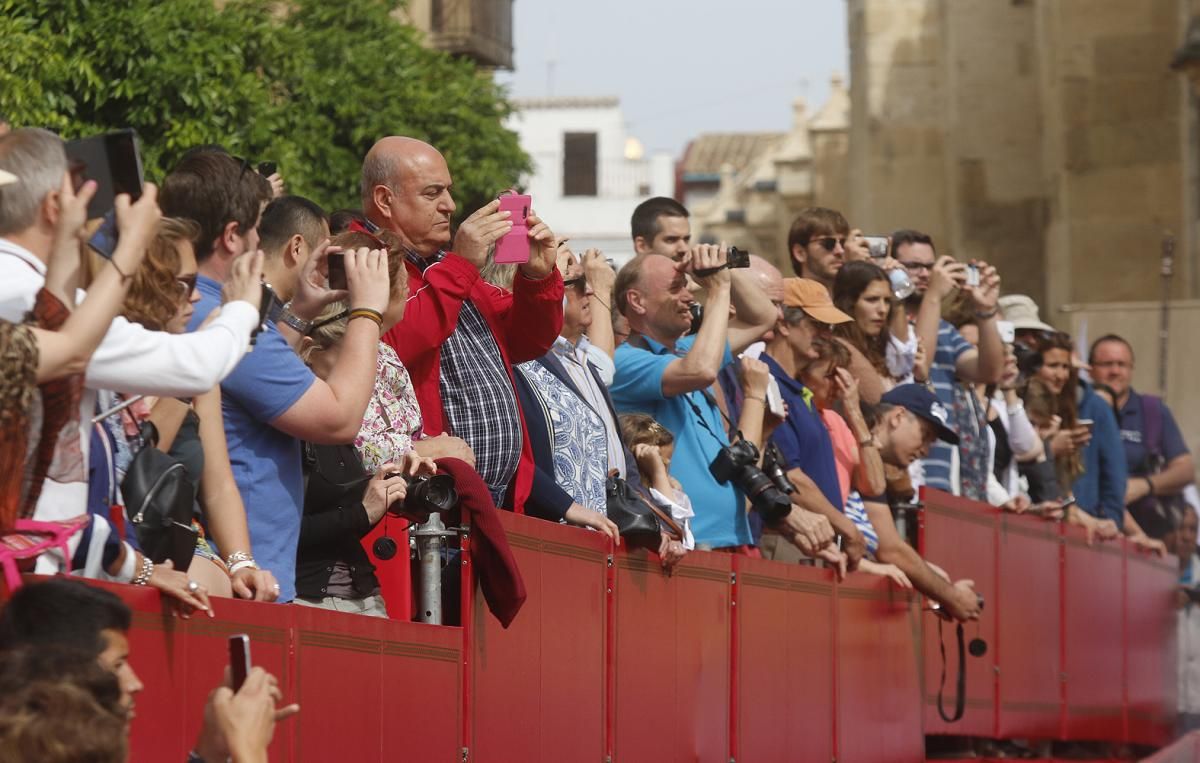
{"x":309,"y":84}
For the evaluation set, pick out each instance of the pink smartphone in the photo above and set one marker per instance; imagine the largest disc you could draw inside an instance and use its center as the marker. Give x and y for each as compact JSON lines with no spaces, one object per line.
{"x":514,"y":246}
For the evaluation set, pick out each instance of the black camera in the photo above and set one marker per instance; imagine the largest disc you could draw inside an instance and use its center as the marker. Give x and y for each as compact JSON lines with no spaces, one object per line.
{"x":1029,"y":360}
{"x":697,"y":311}
{"x":426,"y":495}
{"x":738,"y":258}
{"x":737,"y":463}
{"x":773,"y":468}
{"x":941,"y":612}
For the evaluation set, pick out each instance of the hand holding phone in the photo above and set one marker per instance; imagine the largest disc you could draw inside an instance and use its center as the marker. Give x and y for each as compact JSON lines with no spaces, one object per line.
{"x":513,"y":247}
{"x":336,"y":263}
{"x":114,"y":161}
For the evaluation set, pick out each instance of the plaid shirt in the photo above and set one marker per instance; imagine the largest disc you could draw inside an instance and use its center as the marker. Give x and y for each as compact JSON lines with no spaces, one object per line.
{"x":478,"y":398}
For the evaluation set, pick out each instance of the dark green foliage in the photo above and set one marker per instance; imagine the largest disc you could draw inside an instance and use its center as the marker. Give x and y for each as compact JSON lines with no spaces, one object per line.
{"x":309,"y":84}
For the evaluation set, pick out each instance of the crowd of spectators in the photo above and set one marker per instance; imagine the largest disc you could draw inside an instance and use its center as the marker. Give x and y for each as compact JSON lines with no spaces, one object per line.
{"x":310,"y":370}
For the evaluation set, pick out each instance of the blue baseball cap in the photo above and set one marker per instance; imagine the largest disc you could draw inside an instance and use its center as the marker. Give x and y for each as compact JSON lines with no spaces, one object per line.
{"x":918,"y":399}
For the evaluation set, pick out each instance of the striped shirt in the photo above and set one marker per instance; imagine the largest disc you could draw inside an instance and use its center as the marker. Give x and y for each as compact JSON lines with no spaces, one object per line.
{"x":943,"y":375}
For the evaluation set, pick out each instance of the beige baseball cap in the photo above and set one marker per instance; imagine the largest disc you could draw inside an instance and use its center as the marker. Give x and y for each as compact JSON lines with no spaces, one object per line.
{"x":812,"y":298}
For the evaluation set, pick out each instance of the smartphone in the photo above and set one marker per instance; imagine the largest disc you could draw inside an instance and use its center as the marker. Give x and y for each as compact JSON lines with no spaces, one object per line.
{"x":266,"y":169}
{"x":114,"y":161}
{"x":877,"y":246}
{"x":239,"y":659}
{"x":104,"y":240}
{"x":513,"y":248}
{"x":336,"y":262}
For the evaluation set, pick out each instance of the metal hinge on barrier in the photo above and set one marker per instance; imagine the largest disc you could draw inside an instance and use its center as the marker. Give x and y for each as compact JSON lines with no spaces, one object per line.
{"x":732,"y":578}
{"x":610,"y":560}
{"x":466,"y":754}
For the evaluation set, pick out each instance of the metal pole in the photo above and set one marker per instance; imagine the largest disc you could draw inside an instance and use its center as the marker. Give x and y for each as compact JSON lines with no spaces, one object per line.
{"x":429,"y":537}
{"x":1164,"y":328}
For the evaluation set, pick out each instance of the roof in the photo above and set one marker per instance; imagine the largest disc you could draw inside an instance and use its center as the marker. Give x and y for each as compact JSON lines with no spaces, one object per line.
{"x":566,"y":102}
{"x":707,"y":153}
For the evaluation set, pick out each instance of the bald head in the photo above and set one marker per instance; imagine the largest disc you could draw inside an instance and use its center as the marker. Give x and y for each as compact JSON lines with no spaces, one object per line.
{"x":767,"y":277}
{"x":406,"y":189}
{"x":652,"y":293}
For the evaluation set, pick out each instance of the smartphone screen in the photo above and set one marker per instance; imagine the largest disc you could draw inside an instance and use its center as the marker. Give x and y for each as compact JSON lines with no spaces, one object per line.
{"x":113,"y":160}
{"x":104,"y":240}
{"x":337,"y":270}
{"x":239,"y":659}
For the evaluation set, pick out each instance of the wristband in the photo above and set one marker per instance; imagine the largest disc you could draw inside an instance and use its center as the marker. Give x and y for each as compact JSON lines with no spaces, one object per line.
{"x":989,"y":314}
{"x":243,"y":565}
{"x":124,"y":276}
{"x":366,"y":312}
{"x":755,"y":397}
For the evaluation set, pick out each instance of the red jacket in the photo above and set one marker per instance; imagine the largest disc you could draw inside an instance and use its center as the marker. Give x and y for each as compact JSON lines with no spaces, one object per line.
{"x":525,"y":323}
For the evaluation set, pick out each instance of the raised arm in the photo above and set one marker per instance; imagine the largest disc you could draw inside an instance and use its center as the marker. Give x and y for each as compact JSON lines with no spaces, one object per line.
{"x":755,"y":312}
{"x":699,"y":367}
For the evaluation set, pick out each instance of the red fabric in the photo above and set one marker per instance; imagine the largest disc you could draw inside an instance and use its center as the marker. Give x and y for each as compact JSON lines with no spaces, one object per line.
{"x":525,"y":322}
{"x":495,"y":566}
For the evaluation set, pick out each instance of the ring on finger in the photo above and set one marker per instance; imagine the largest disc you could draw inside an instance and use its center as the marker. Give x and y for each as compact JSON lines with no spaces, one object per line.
{"x":193,"y":586}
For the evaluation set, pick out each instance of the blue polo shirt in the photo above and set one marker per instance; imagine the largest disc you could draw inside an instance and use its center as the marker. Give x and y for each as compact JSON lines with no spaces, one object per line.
{"x":266,"y":462}
{"x":637,"y":388}
{"x":1133,"y":435}
{"x":802,"y":438}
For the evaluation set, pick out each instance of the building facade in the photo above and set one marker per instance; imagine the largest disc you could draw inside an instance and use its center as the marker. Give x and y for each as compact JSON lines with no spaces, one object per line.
{"x":589,"y":173}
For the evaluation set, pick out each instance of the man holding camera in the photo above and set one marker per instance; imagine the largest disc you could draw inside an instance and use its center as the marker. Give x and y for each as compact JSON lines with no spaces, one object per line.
{"x":460,"y":335}
{"x":955,"y":361}
{"x":664,"y":374}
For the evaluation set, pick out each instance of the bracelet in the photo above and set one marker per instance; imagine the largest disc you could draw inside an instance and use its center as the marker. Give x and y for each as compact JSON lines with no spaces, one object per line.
{"x":124,"y":276}
{"x":984,"y":316}
{"x":245,"y":564}
{"x":366,"y":312}
{"x":602,"y":302}
{"x":867,"y":443}
{"x":238,"y":556}
{"x":755,"y":397}
{"x":147,"y":569}
{"x":1150,"y":485}
{"x":301,"y":325}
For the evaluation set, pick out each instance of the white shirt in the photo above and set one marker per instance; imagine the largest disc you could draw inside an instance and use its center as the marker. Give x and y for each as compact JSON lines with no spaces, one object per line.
{"x":130,"y":358}
{"x":575,"y":360}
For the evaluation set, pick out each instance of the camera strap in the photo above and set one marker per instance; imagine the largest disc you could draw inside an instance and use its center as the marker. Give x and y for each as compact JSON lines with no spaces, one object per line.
{"x":639,"y":341}
{"x":960,"y":701}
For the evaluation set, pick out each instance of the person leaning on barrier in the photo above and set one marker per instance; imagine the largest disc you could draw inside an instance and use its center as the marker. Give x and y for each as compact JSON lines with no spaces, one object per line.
{"x":906,"y":423}
{"x":460,"y":335}
{"x":1160,"y":464}
{"x":668,"y":375}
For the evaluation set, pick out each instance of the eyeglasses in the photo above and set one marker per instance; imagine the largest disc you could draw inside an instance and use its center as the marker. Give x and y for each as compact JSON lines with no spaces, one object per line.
{"x":917,"y":266}
{"x":187,"y":284}
{"x":579,"y":284}
{"x":1111,"y":364}
{"x":829,"y":243}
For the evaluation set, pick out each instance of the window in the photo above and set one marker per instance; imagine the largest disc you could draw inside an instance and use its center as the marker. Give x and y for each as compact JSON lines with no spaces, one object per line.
{"x":579,"y":164}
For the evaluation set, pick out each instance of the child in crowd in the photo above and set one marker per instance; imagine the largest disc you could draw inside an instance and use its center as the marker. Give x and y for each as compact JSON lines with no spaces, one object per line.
{"x":653,"y":445}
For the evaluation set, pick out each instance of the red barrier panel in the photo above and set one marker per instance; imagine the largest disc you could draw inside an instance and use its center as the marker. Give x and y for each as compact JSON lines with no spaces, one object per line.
{"x":538,"y":688}
{"x":1151,"y":655}
{"x":878,"y":687}
{"x":671,"y":658}
{"x":358,"y":675}
{"x":960,"y":536}
{"x":1093,"y":638}
{"x":1029,"y":563}
{"x":785,"y":662}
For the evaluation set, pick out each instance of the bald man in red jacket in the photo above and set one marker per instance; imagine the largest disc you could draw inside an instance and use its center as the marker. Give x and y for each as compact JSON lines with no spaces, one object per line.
{"x":460,"y":335}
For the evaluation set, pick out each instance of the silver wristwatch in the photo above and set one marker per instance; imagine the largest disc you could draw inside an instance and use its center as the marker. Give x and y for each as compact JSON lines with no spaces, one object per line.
{"x":291,"y":319}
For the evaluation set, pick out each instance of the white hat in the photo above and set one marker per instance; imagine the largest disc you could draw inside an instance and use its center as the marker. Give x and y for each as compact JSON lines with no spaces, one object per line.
{"x":1022,"y":312}
{"x":7,"y":178}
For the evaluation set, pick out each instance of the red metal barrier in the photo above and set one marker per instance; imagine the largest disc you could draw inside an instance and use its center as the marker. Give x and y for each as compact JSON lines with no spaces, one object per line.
{"x":785,"y":659}
{"x":538,"y":688}
{"x":961,"y":536}
{"x":731,"y":658}
{"x":1030,"y":686}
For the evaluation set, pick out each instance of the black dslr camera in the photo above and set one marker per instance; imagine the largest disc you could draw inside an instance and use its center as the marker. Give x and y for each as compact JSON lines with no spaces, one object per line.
{"x":737,"y":463}
{"x":426,"y":495}
{"x":1029,"y":361}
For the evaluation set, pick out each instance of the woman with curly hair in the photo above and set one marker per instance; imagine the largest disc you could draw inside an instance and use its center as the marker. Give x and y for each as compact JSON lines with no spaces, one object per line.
{"x":162,"y":298}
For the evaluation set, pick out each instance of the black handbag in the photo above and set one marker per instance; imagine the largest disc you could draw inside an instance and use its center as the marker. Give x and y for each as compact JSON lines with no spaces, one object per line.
{"x":635,"y":519}
{"x":158,"y":498}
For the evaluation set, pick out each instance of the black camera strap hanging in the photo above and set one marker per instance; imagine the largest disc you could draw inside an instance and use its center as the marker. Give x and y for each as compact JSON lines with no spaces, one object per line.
{"x":960,"y":701}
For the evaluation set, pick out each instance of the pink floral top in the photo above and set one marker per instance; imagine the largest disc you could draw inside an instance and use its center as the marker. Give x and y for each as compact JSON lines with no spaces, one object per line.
{"x":393,"y":418}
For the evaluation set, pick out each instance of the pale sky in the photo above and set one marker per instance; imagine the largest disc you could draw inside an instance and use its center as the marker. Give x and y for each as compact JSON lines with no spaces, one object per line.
{"x":681,"y":68}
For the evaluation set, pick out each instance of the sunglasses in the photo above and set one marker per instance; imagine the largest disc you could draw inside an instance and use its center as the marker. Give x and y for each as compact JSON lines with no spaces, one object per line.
{"x":829,"y":243}
{"x":187,"y":284}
